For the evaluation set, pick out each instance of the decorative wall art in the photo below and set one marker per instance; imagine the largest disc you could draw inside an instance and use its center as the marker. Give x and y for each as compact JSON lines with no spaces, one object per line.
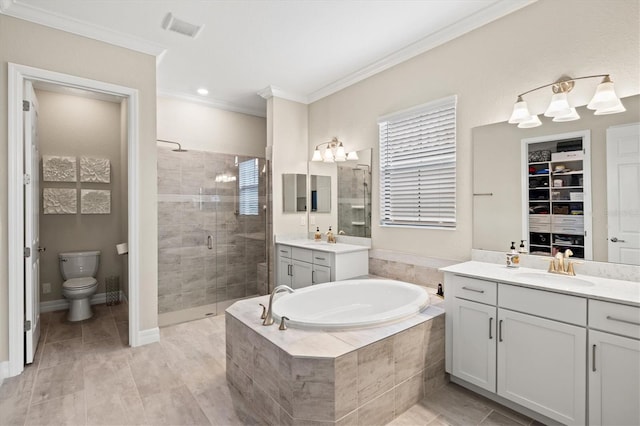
{"x":59,"y":201}
{"x":95,"y":201}
{"x":56,"y":168}
{"x":96,"y":170}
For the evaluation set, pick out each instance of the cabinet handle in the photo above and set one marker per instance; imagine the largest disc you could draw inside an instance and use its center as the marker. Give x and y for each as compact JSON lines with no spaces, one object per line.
{"x":320,"y":258}
{"x":209,"y":242}
{"x":593,"y":358}
{"x":473,"y":289}
{"x":500,"y":331}
{"x":290,"y":270}
{"x":284,"y":251}
{"x":490,"y":326}
{"x":313,"y":279}
{"x":609,"y":317}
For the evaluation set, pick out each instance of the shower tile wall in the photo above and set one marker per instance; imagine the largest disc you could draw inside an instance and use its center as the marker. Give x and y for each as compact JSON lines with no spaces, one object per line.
{"x":354,"y":186}
{"x":198,"y":198}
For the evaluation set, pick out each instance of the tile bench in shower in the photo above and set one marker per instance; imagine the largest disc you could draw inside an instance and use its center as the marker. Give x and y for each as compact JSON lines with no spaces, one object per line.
{"x":367,"y":376}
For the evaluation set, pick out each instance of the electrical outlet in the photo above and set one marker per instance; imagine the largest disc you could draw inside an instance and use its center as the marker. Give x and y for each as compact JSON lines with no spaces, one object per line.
{"x":46,"y":288}
{"x":303,"y":220}
{"x":312,"y":219}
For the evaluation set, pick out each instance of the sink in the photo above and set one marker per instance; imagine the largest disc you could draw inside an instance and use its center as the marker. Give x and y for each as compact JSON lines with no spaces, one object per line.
{"x":553,"y":279}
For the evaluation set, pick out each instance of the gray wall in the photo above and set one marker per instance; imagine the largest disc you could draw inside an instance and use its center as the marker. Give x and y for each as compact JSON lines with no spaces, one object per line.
{"x":75,"y":126}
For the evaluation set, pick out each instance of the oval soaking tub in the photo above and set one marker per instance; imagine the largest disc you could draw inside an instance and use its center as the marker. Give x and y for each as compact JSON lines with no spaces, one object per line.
{"x":350,"y":304}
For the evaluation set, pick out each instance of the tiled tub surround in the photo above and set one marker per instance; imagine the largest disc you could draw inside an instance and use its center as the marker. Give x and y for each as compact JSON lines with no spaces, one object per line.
{"x":365,"y":377}
{"x":198,"y":197}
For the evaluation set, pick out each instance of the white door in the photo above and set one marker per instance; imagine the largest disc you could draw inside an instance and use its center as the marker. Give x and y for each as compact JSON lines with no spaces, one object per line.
{"x":320,"y":274}
{"x":301,"y":272}
{"x":614,"y":380}
{"x":31,"y":225}
{"x":474,"y":343}
{"x":541,"y":366}
{"x":623,"y":193}
{"x":283,"y":271}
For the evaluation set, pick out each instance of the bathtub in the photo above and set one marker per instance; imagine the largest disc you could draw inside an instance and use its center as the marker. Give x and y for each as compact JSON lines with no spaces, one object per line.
{"x":350,"y":304}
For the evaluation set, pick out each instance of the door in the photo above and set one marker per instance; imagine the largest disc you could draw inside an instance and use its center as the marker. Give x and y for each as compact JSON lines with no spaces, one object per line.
{"x":614,"y":379}
{"x":283,"y":271}
{"x":301,"y":272}
{"x":320,"y":274}
{"x":623,"y":193}
{"x":31,"y":225}
{"x":541,"y":366}
{"x":474,"y":343}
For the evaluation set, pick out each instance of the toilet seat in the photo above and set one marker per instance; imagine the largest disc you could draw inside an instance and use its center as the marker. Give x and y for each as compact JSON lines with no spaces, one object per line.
{"x":79,"y":283}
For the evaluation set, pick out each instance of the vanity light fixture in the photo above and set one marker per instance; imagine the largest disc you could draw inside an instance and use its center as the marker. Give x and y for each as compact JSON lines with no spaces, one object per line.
{"x":604,"y":101}
{"x":334,"y":152}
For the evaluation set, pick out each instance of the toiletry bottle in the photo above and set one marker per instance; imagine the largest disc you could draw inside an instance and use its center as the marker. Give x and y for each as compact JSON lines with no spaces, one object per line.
{"x":522,"y":249}
{"x":513,"y":258}
{"x":317,"y":236}
{"x":330,"y":237}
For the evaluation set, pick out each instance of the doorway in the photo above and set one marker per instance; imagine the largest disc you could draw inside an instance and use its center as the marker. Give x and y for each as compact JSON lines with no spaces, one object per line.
{"x":19,"y":210}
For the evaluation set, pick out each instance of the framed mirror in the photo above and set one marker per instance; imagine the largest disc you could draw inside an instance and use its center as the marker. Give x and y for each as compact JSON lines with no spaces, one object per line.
{"x":320,"y":193}
{"x":294,"y":193}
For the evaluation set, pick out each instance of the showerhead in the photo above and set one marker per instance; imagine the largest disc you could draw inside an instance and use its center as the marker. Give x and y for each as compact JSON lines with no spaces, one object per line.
{"x":175,"y":143}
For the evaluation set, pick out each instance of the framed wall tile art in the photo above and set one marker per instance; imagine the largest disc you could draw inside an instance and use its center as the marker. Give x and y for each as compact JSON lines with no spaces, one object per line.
{"x":59,"y":201}
{"x":95,"y":201}
{"x":56,"y":168}
{"x":96,"y":170}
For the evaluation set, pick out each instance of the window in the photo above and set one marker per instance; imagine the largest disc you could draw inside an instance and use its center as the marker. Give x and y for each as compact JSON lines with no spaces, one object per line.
{"x":248,"y":184}
{"x":418,"y":166}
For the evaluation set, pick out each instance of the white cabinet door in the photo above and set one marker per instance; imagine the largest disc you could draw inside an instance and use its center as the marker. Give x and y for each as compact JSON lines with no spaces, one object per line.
{"x":321,"y":274}
{"x":301,"y":274}
{"x":474,"y":343}
{"x":541,"y":365}
{"x":614,"y":379}
{"x":284,"y":271}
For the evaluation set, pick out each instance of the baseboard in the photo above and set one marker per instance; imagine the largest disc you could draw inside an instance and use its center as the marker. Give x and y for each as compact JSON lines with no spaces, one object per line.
{"x":61,"y":304}
{"x":4,"y":371}
{"x":150,"y":335}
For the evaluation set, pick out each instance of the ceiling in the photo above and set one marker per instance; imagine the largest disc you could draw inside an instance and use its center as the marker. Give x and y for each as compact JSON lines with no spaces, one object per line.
{"x":304,"y":50}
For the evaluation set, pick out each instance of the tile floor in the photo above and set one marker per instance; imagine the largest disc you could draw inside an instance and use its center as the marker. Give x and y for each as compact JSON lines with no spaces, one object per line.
{"x":85,"y":374}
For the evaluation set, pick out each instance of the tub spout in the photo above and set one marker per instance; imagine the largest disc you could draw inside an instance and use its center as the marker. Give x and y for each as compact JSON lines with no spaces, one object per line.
{"x":268,"y":320}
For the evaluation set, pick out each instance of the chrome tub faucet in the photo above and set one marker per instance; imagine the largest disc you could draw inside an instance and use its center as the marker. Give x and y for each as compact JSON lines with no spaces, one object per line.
{"x":268,"y":317}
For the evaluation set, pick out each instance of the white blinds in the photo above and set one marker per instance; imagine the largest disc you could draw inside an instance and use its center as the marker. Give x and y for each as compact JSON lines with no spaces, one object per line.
{"x":248,"y":183}
{"x":418,"y":166}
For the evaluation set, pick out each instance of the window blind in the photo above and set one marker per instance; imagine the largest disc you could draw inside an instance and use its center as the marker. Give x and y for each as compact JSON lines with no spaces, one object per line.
{"x":248,"y":184}
{"x":418,"y":166}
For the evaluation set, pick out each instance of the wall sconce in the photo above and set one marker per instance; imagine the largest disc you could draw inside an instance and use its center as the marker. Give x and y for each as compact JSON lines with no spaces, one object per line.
{"x":334,"y":151}
{"x":604,"y":101}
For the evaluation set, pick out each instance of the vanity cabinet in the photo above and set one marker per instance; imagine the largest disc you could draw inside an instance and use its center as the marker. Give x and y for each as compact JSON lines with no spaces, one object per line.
{"x":300,"y":267}
{"x":614,"y":364}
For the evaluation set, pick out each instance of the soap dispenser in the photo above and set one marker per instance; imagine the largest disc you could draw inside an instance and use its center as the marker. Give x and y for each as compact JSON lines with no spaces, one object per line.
{"x":317,"y":236}
{"x":522,"y":249}
{"x":513,"y":257}
{"x":330,"y":237}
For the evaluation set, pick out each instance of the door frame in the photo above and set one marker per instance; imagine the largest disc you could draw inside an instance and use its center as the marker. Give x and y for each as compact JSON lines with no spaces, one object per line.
{"x":17,"y":74}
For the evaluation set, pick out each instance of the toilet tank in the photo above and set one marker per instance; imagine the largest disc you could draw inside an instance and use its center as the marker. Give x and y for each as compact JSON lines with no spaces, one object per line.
{"x":77,"y":264}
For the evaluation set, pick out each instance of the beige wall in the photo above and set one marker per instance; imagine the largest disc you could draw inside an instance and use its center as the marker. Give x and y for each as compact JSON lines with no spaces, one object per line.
{"x":75,"y":126}
{"x":498,"y":147}
{"x":486,"y":68}
{"x":34,"y":45}
{"x":203,"y":128}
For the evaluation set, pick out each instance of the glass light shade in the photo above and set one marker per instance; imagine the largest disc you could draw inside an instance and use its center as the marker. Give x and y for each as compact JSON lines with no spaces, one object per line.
{"x":341,"y":155}
{"x":316,"y":155}
{"x":573,"y":115}
{"x":532,"y":121}
{"x":558,"y":106}
{"x":520,"y":112}
{"x":328,"y":156}
{"x":605,"y":97}
{"x":352,"y":156}
{"x":616,"y":109}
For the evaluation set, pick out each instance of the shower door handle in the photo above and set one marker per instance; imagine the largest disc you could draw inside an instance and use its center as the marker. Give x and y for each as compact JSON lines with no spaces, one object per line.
{"x":209,"y":242}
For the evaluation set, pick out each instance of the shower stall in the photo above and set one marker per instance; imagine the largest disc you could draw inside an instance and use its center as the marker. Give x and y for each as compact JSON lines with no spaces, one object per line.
{"x":212,"y":223}
{"x":354,"y":199}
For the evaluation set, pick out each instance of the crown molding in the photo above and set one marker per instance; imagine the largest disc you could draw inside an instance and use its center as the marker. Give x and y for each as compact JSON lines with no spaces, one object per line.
{"x":214,"y":103}
{"x":276,"y":92}
{"x":17,"y":9}
{"x":495,"y":11}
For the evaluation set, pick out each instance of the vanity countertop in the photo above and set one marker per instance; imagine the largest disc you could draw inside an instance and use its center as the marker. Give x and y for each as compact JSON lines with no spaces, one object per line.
{"x":627,"y":292}
{"x":324,"y":246}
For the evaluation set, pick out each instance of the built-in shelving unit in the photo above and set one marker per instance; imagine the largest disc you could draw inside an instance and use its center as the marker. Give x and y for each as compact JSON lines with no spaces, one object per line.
{"x":557,"y":194}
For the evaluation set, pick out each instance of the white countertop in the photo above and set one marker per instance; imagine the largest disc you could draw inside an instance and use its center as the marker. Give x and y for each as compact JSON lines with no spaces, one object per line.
{"x":612,"y":290}
{"x":324,"y":246}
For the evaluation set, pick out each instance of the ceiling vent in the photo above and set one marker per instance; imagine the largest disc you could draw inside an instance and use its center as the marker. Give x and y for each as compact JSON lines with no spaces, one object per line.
{"x":171,"y":23}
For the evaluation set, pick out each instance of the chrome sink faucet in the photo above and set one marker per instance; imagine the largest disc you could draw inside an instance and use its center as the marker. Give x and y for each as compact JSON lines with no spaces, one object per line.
{"x":268,"y":318}
{"x":562,"y":265}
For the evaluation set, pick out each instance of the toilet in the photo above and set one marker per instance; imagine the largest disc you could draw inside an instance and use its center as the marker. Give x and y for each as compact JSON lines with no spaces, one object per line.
{"x":79,"y":269}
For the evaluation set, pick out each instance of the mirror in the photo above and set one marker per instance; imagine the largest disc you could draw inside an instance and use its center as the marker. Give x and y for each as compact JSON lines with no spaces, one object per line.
{"x":320,"y":194}
{"x":294,"y":193}
{"x":497,"y":176}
